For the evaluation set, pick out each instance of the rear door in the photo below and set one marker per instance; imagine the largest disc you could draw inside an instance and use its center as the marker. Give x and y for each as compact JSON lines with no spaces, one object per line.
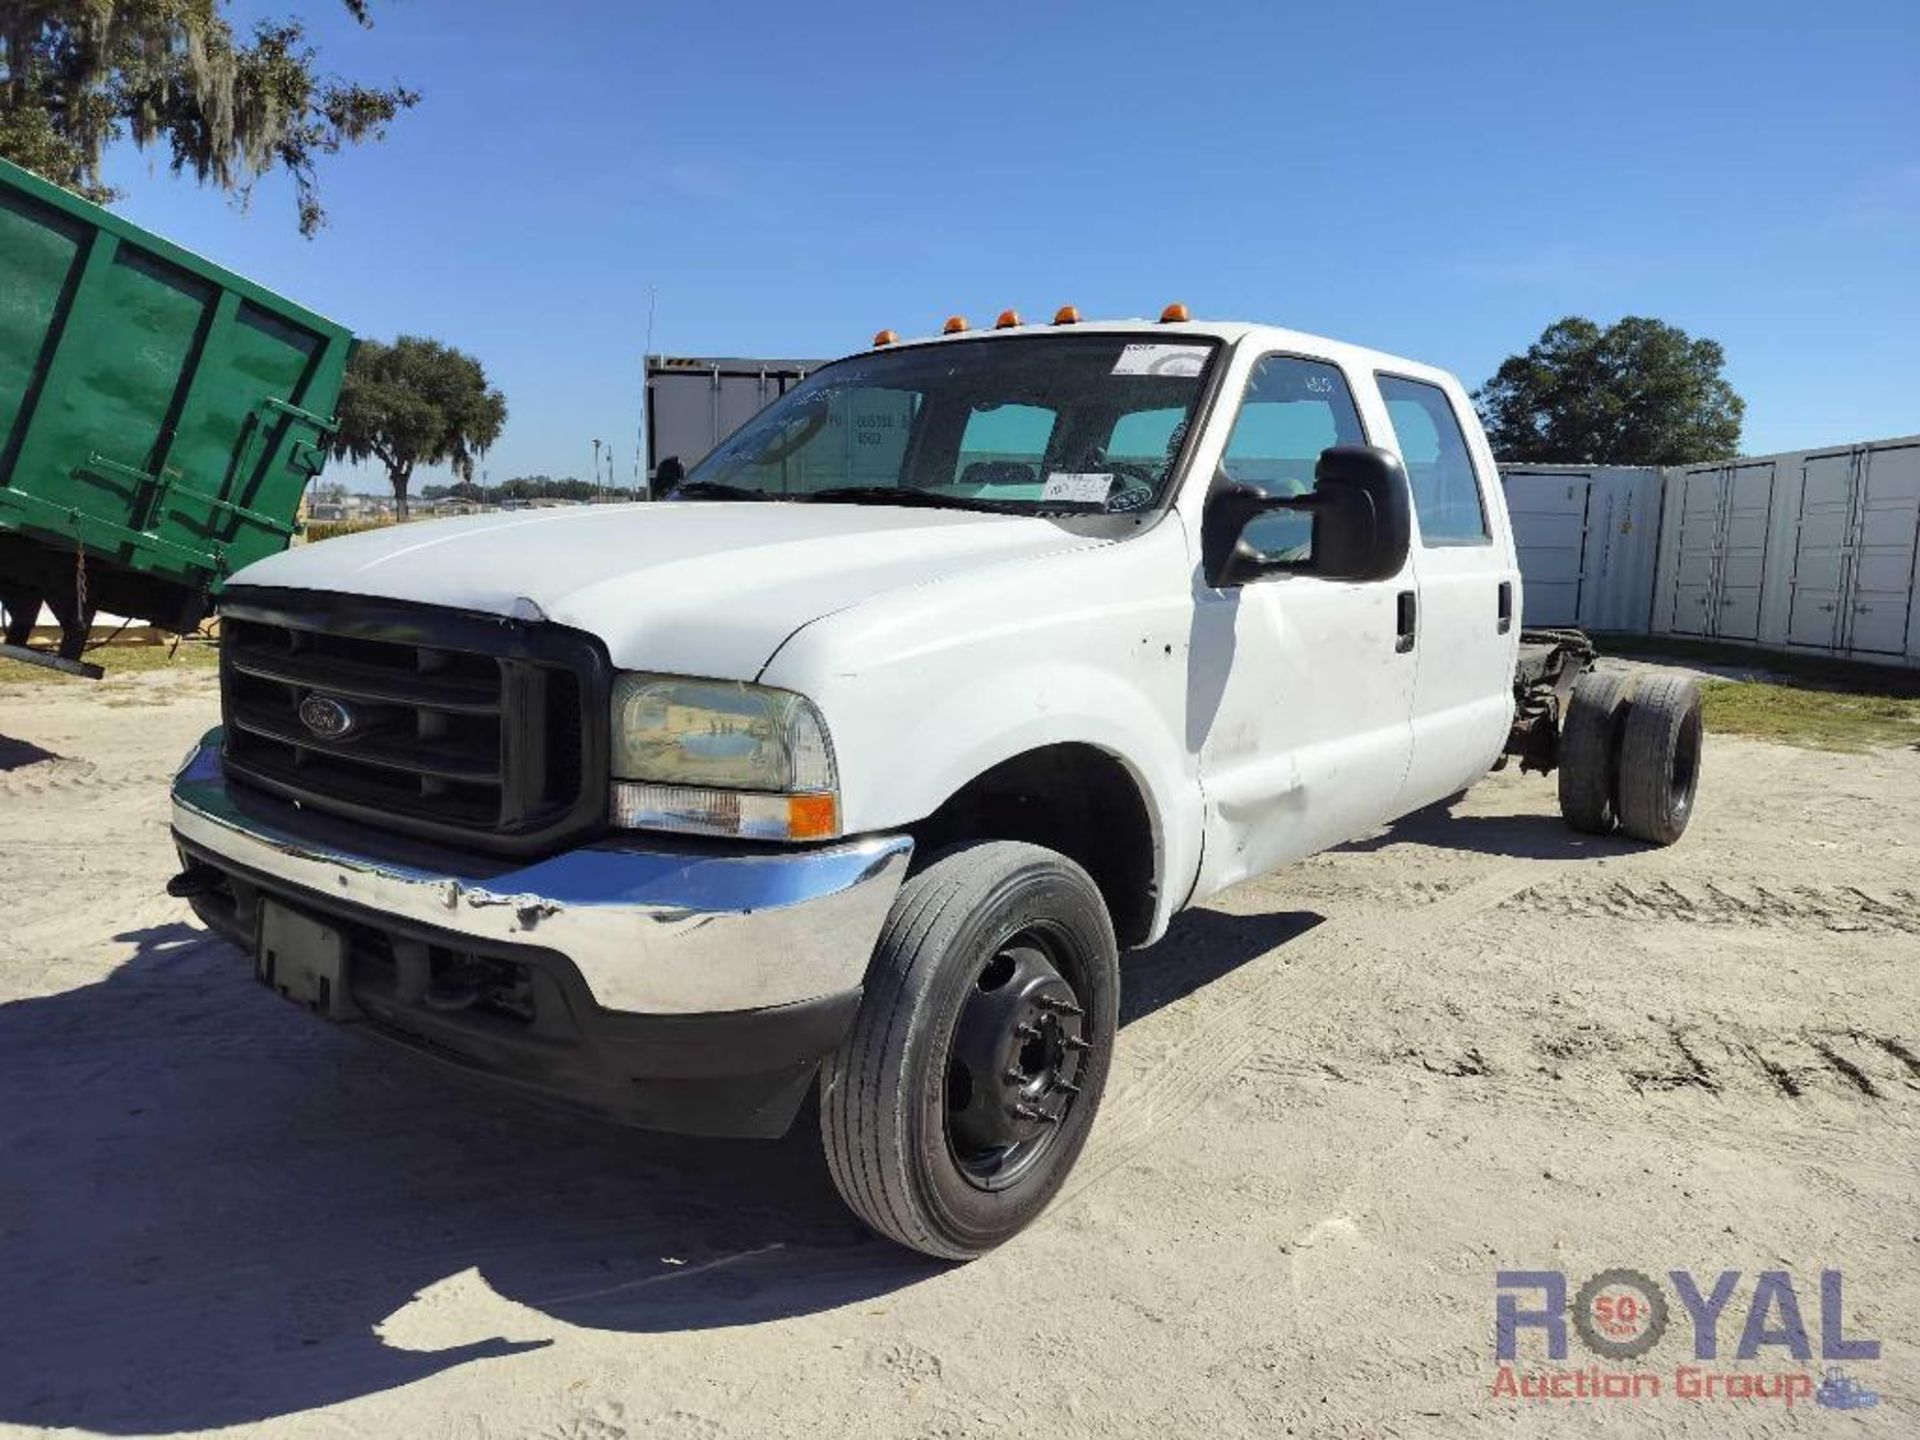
{"x":1467,"y":630}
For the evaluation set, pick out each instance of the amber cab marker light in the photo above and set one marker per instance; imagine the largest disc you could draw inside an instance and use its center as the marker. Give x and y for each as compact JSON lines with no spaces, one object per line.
{"x":1008,"y":319}
{"x":884,"y":337}
{"x":1174,"y":314}
{"x":955,"y":324}
{"x":1066,"y":315}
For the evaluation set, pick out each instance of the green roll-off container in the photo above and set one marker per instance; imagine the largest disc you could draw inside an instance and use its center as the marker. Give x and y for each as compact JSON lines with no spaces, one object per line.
{"x":160,"y":417}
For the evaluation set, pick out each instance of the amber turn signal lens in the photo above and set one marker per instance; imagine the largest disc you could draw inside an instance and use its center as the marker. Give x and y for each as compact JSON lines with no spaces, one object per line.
{"x":1066,"y":315}
{"x":1008,"y":319}
{"x":884,"y":337}
{"x":955,"y":324}
{"x":1174,"y":314}
{"x":812,"y":817}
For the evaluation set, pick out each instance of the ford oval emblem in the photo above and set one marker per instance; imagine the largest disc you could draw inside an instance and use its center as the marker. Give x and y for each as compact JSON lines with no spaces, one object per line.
{"x":326,"y":717}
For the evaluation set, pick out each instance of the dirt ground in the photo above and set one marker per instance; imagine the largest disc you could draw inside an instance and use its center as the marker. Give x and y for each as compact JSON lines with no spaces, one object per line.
{"x":1346,"y":1096}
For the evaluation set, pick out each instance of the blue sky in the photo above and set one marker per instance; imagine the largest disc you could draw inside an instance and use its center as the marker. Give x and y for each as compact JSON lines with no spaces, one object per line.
{"x":1437,"y":180}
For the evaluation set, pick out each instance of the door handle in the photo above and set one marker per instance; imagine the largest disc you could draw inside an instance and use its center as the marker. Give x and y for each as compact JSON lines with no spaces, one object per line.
{"x":1506,"y":606}
{"x":1408,"y":622}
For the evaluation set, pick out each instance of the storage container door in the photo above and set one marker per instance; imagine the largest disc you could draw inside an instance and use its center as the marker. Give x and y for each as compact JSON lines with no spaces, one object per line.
{"x":680,"y":418}
{"x":1549,"y":514}
{"x":1743,"y":551}
{"x":741,"y":398}
{"x":1820,"y":551}
{"x":1699,"y":537}
{"x":1889,"y":512}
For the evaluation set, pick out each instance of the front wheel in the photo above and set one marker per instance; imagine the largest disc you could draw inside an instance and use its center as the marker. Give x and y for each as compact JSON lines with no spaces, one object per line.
{"x":960,"y":1100}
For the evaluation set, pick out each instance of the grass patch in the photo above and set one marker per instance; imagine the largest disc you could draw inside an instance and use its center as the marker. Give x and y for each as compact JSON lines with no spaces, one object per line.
{"x":118,"y":660}
{"x":1815,"y":718}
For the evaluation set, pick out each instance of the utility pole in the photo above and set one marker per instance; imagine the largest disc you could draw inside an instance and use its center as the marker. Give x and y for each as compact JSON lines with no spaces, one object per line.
{"x":596,"y":467}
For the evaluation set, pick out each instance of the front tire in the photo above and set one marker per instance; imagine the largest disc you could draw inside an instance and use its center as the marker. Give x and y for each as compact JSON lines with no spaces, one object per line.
{"x":960,"y":1100}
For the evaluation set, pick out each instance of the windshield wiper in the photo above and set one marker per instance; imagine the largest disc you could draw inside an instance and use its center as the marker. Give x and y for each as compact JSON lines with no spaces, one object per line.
{"x":905,"y":495}
{"x":717,"y":490}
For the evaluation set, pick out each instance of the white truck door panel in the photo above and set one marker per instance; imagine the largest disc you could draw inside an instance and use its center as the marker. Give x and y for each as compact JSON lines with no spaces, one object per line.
{"x":1299,"y":705}
{"x":1299,"y":699}
{"x":1464,"y":644}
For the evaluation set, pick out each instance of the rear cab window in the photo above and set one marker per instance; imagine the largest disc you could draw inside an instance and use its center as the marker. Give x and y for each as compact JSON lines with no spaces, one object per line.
{"x":1446,"y":489}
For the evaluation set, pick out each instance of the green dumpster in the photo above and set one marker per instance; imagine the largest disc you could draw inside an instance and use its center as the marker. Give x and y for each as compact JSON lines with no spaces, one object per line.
{"x":160,"y":417}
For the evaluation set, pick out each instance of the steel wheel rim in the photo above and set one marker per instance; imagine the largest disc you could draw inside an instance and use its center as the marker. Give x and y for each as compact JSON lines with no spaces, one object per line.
{"x":1019,"y":1048}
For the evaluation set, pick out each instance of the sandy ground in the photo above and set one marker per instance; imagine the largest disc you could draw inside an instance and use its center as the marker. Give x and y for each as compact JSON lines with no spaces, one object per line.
{"x":1345,"y":1097}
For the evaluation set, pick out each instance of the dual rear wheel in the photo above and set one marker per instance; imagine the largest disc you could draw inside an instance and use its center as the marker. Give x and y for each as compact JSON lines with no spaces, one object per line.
{"x":1630,"y":755}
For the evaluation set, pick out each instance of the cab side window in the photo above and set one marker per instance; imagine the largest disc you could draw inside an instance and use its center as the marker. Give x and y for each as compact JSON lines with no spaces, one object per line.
{"x":1446,"y":492}
{"x":1292,"y":410}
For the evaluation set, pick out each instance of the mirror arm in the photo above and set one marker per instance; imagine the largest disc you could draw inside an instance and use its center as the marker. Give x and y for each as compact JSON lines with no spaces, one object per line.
{"x":1226,"y":557}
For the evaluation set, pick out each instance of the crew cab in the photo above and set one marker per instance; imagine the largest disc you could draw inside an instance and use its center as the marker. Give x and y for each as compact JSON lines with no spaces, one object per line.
{"x":856,"y":761}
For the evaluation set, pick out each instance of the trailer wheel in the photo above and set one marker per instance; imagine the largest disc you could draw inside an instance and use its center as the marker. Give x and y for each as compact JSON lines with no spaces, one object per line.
{"x":1590,"y":749}
{"x":957,"y":1105}
{"x":1660,"y":759}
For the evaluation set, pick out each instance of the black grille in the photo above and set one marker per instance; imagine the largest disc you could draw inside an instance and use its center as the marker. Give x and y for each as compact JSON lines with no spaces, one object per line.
{"x":463,"y":727}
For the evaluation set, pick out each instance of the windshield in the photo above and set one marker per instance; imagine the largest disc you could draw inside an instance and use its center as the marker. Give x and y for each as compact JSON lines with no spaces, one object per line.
{"x":1041,"y":424}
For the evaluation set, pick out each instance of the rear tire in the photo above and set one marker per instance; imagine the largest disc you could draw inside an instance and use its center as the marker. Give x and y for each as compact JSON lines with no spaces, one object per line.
{"x":1590,"y":750}
{"x":1660,"y":759}
{"x":954,"y":1110}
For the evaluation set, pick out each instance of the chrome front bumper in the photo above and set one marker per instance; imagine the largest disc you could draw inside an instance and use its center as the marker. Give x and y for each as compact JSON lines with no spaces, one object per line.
{"x":653,"y":927}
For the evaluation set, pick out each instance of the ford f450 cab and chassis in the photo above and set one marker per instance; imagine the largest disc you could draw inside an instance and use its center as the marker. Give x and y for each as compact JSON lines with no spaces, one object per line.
{"x":965,"y":665}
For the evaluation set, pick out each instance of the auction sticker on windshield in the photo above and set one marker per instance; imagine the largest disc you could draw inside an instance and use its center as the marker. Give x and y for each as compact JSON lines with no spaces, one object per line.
{"x":1179,"y":362}
{"x":1093,"y":489}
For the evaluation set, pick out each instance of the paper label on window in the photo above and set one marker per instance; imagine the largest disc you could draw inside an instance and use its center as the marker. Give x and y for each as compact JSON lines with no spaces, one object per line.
{"x":1179,"y":362}
{"x":1092,"y":489}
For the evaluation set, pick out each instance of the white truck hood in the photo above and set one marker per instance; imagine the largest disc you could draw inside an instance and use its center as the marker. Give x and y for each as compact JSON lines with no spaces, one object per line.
{"x":694,"y":588}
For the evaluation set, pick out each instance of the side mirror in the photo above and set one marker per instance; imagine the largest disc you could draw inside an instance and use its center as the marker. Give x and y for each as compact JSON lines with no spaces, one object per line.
{"x":1362,"y":521}
{"x":667,"y":474}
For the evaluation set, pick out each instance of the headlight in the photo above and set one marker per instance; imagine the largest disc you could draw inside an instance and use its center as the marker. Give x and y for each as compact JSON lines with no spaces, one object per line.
{"x":717,"y":757}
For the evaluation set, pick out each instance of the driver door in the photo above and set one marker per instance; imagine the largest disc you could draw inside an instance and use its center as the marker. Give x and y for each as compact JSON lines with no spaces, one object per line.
{"x":1301,"y":688}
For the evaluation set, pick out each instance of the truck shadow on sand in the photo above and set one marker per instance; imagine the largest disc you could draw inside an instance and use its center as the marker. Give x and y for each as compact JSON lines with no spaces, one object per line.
{"x":19,"y":754}
{"x":1525,"y":835}
{"x":214,"y":1210}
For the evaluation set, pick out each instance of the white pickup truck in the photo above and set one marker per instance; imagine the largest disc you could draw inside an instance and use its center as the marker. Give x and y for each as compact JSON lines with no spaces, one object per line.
{"x":965,"y":665}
